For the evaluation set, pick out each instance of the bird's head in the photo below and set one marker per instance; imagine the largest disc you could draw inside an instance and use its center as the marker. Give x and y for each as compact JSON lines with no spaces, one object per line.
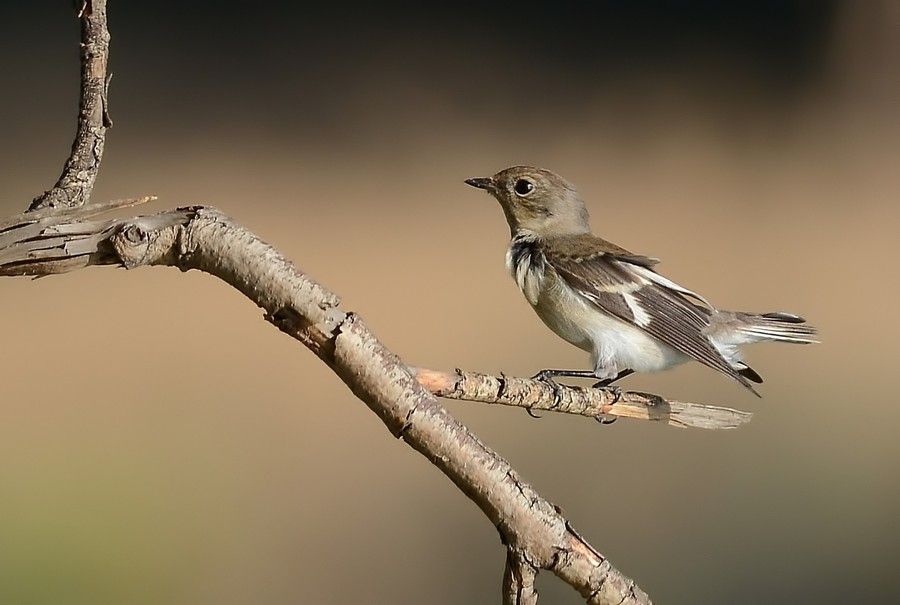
{"x":536,"y":200}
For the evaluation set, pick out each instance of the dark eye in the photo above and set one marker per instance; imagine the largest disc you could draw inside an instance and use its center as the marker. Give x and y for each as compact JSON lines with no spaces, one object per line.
{"x":523,"y":187}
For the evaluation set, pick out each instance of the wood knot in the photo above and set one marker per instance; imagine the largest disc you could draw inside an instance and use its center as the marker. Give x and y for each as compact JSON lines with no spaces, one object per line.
{"x":137,"y":244}
{"x":135,"y":234}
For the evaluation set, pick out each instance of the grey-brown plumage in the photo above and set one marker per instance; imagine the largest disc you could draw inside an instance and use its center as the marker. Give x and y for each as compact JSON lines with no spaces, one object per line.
{"x":611,"y":302}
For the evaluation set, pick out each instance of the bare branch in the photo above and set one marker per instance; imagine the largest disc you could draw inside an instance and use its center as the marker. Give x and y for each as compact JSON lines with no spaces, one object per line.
{"x":596,"y":403}
{"x":518,"y":580}
{"x":56,"y":236}
{"x":202,"y":238}
{"x":76,"y":182}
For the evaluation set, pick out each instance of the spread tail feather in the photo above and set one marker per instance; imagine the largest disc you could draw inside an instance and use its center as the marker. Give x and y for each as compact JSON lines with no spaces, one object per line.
{"x":778,"y":327}
{"x":729,"y":331}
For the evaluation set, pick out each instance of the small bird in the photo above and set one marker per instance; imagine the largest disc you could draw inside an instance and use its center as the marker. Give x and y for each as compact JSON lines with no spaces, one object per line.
{"x":610,"y":302}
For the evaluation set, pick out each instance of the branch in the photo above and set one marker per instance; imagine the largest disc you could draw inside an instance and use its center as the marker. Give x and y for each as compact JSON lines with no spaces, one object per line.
{"x":596,"y":403}
{"x":518,"y":580}
{"x":201,"y":238}
{"x":76,"y":182}
{"x":60,"y":233}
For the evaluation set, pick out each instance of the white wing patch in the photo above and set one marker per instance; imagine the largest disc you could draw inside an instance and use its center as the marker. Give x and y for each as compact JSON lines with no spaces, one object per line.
{"x":623,"y":288}
{"x":641,"y":317}
{"x":667,"y":283}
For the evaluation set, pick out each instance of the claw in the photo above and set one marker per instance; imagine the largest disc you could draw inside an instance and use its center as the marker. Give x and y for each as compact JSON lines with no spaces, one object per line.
{"x":557,"y":392}
{"x":546,"y":376}
{"x":531,"y":413}
{"x":617,"y":396}
{"x":617,"y":393}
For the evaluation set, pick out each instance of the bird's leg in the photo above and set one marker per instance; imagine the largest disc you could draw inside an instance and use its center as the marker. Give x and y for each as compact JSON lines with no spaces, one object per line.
{"x":549,"y":375}
{"x":605,"y":383}
{"x":616,"y":391}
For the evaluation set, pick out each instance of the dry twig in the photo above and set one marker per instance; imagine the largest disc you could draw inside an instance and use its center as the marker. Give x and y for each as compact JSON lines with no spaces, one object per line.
{"x":79,"y":173}
{"x":534,"y":394}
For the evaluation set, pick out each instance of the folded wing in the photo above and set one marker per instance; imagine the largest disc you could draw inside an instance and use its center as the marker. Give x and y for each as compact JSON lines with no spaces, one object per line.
{"x":626,"y":286}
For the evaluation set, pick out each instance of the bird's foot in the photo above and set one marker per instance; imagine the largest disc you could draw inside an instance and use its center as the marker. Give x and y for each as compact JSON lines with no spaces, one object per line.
{"x":607,"y":385}
{"x":548,"y":378}
{"x":616,"y":391}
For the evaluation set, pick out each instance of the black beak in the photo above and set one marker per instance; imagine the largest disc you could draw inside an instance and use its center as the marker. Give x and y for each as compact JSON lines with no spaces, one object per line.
{"x":486,"y":183}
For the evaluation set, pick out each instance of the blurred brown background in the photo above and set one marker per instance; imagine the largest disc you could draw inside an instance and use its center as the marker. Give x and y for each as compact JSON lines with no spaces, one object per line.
{"x":160,"y":443}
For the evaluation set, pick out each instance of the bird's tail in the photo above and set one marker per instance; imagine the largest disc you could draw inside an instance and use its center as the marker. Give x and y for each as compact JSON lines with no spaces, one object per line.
{"x":729,"y":331}
{"x":778,"y":327}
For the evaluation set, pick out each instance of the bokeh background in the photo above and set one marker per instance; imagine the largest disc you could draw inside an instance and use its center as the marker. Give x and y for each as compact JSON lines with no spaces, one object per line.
{"x":160,"y":443}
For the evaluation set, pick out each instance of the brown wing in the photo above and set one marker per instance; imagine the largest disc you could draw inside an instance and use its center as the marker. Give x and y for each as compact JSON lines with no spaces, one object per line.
{"x":583,"y":247}
{"x":617,"y":282}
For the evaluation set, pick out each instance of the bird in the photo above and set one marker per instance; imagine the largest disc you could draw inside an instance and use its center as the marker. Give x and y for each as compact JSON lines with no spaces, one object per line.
{"x":613,"y":303}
